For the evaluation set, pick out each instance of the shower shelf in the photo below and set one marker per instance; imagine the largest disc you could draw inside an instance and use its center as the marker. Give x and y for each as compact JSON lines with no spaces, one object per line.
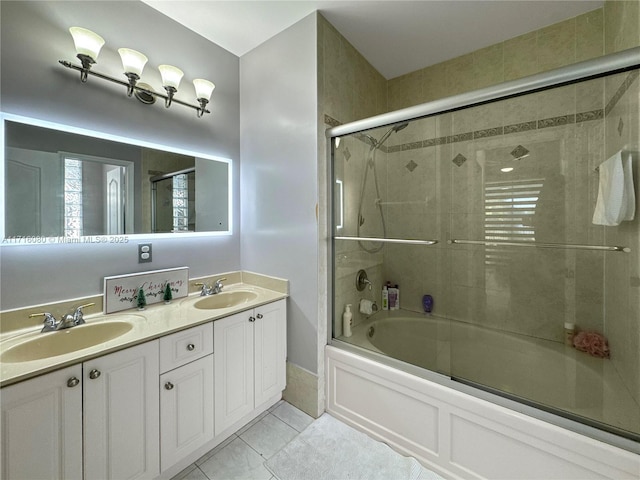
{"x":389,"y":240}
{"x":606,"y":248}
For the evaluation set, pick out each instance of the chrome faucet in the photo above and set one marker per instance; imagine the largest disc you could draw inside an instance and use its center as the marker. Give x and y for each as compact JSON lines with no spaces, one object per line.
{"x":211,"y":289}
{"x":67,"y":321}
{"x":50,"y":323}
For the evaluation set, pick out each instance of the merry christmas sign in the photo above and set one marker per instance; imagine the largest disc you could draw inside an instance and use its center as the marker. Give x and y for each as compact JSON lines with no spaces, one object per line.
{"x":121,"y":291}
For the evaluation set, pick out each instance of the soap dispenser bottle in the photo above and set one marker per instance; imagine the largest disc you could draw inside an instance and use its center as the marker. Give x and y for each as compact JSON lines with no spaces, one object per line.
{"x":346,"y":321}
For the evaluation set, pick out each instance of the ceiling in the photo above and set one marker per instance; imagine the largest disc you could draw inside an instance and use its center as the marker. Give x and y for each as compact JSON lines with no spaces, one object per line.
{"x":395,"y":36}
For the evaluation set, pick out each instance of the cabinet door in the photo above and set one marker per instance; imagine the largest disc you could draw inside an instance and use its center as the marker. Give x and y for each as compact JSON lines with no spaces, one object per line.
{"x":233,"y":349}
{"x":42,"y":427}
{"x":270,"y":350}
{"x":186,"y":410}
{"x":121,"y":414}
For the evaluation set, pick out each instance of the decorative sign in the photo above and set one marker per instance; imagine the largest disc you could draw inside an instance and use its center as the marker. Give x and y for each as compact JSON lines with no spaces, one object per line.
{"x":121,"y":291}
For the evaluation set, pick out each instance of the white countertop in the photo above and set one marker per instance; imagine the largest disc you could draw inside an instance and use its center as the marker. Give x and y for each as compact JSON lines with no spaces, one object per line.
{"x":155,"y":321}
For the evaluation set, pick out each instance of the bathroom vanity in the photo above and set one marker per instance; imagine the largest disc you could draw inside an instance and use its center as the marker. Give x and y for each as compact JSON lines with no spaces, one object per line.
{"x":149,"y":402}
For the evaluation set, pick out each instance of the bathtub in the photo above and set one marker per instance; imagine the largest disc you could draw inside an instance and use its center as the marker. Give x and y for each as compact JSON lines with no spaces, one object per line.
{"x":463,"y":431}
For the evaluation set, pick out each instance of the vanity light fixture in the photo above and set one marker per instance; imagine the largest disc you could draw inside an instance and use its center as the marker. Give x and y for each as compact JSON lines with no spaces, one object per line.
{"x":88,"y":45}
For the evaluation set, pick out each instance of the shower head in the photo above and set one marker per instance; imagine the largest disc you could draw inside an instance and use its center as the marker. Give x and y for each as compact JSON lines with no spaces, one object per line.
{"x":396,"y":128}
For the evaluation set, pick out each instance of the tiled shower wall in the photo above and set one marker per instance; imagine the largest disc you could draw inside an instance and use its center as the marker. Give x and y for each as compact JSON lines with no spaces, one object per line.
{"x":612,"y":28}
{"x":622,"y":273}
{"x":574,"y":129}
{"x":349,"y":89}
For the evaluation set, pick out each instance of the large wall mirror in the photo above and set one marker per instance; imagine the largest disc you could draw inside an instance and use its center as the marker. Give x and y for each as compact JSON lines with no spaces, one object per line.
{"x":65,"y":183}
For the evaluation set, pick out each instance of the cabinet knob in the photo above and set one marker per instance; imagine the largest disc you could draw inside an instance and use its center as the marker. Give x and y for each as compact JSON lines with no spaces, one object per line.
{"x":168,"y":386}
{"x":252,"y":319}
{"x":259,"y":316}
{"x":73,"y":382}
{"x":191,"y":347}
{"x":93,"y":374}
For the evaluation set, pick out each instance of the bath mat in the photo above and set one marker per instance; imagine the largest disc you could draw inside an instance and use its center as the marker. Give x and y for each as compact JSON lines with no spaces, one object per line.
{"x":330,"y":450}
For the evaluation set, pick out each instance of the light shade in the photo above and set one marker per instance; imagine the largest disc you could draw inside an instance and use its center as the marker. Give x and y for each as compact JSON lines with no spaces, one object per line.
{"x":204,"y":88}
{"x":132,"y":60}
{"x":171,"y":76}
{"x":86,"y":42}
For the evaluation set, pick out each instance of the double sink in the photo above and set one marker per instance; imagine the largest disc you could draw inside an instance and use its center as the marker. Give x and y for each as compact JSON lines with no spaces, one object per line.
{"x":38,"y":346}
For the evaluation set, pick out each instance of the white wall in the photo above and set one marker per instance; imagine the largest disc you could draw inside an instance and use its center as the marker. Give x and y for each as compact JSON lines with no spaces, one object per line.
{"x":34,"y":36}
{"x":278,"y":85}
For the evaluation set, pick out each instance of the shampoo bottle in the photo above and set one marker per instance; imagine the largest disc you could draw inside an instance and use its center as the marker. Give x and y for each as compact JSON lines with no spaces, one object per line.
{"x":393,"y":298}
{"x":385,"y":298}
{"x":346,"y":321}
{"x":569,"y":333}
{"x":397,"y":304}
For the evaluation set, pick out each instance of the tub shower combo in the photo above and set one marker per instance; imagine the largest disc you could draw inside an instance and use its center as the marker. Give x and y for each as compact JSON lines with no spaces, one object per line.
{"x":486,"y":202}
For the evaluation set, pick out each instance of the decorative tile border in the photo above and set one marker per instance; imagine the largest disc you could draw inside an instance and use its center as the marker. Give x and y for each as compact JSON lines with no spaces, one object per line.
{"x":485,"y":133}
{"x":561,"y":120}
{"x":589,"y":116}
{"x":633,"y":75}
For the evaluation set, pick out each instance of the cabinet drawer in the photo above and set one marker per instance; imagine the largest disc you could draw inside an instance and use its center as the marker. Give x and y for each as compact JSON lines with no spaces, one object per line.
{"x":183,"y":347}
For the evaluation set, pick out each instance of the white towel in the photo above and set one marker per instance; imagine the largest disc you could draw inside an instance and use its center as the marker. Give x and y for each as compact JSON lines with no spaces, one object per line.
{"x":366,"y":306}
{"x":616,"y":197}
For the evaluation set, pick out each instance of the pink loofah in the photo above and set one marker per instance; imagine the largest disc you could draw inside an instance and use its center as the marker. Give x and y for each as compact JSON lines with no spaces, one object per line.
{"x":593,"y":343}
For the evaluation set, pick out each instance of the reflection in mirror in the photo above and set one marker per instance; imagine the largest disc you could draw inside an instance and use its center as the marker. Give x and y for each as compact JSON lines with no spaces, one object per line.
{"x":71,"y":184}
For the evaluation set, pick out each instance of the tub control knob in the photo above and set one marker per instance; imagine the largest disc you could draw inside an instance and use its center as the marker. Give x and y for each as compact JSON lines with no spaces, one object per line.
{"x":73,"y":382}
{"x":93,"y":374}
{"x":191,"y":347}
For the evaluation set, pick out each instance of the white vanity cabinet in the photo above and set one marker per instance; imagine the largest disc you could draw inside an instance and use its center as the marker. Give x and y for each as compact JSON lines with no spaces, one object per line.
{"x":186,"y":393}
{"x":121,"y":414}
{"x":250,"y":350}
{"x":94,"y":420}
{"x":42,"y":427}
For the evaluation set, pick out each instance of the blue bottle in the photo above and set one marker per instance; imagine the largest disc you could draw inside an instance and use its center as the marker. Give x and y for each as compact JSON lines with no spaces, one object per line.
{"x":427,"y":303}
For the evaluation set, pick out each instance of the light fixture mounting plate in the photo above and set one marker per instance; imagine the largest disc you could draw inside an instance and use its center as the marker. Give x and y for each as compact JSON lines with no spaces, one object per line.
{"x":143,"y":96}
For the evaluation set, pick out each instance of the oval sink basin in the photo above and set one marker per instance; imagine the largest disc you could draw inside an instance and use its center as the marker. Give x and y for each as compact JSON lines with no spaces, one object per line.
{"x":225,"y":300}
{"x":52,"y":344}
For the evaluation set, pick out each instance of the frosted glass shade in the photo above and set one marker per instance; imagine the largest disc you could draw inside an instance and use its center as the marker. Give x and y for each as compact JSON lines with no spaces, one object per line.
{"x":132,"y":60}
{"x":171,"y":76}
{"x":204,"y":88}
{"x":86,"y":42}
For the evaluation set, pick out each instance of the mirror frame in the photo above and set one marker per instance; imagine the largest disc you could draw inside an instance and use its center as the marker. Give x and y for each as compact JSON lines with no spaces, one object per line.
{"x":4,"y":117}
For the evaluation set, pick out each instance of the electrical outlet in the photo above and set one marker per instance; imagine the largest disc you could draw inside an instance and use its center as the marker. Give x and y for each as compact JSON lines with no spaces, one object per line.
{"x":144,"y":253}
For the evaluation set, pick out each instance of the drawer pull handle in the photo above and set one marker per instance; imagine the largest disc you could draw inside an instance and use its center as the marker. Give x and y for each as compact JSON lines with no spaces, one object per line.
{"x":191,"y":347}
{"x":259,"y":316}
{"x":168,"y":386}
{"x":93,"y":374}
{"x":252,"y":319}
{"x":73,"y":382}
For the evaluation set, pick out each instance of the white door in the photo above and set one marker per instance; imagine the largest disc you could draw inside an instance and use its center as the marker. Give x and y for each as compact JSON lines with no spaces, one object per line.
{"x":121,"y":414}
{"x":270,"y":350}
{"x":115,"y":211}
{"x":186,"y":410}
{"x":233,"y":347}
{"x":33,"y":185}
{"x":42,"y":427}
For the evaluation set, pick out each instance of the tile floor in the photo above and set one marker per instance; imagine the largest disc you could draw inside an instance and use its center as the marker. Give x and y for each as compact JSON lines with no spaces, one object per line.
{"x":242,"y":455}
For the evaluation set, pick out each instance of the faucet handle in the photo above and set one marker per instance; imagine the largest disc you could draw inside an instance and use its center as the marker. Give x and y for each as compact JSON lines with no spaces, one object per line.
{"x":206,"y":289}
{"x":218,"y":286}
{"x":78,"y":315}
{"x":50,"y":323}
